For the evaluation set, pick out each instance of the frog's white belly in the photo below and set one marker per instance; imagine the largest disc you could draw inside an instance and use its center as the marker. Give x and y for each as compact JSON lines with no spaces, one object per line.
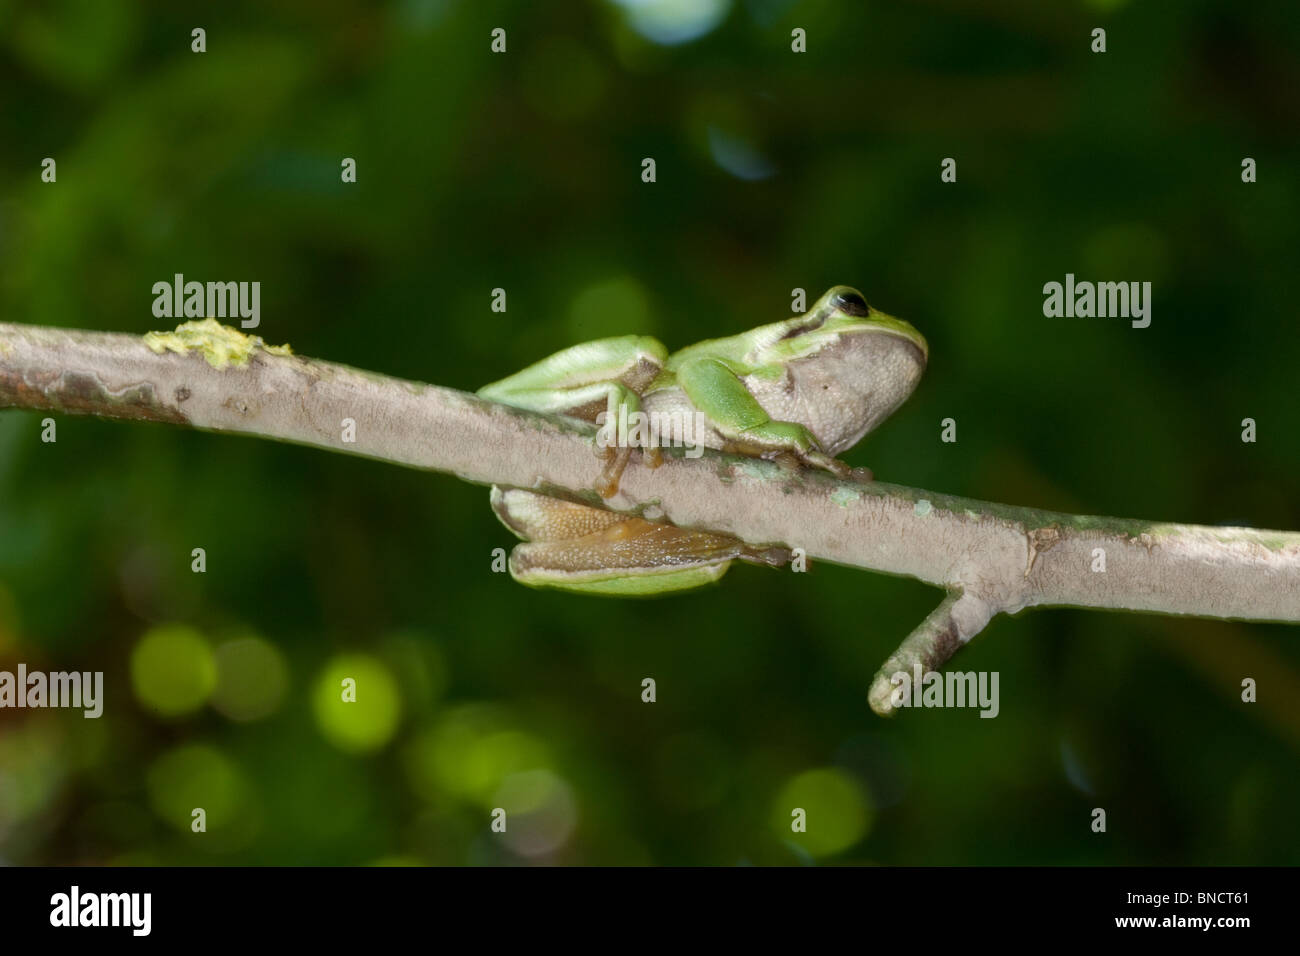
{"x":832,"y":398}
{"x":837,"y":416}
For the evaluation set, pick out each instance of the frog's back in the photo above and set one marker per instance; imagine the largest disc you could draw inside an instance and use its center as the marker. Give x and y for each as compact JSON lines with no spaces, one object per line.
{"x":742,"y":348}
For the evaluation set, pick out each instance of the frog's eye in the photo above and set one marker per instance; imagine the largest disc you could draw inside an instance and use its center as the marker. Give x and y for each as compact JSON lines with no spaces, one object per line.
{"x":850,"y":302}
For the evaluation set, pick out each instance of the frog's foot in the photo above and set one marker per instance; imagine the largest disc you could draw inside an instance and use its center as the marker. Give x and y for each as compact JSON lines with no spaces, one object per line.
{"x":786,"y":459}
{"x":784,"y":441}
{"x":772,"y":557}
{"x":616,"y":460}
{"x":817,"y":459}
{"x":812,"y":459}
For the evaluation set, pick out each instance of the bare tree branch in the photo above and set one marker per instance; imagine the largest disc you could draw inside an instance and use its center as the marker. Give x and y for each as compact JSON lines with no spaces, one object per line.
{"x":991,"y":558}
{"x":958,"y":618}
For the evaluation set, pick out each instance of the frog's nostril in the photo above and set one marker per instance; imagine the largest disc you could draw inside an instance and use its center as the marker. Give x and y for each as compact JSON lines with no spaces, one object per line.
{"x":851,"y":302}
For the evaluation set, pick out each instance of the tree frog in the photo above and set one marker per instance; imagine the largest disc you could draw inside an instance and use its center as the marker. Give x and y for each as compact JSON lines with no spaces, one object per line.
{"x":806,"y":388}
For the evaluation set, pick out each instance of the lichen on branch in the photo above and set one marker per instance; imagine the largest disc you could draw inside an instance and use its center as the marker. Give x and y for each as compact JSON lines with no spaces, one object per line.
{"x":219,"y":344}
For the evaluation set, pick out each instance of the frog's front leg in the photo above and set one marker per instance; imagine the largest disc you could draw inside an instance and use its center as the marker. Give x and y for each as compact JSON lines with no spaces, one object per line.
{"x":592,"y":551}
{"x":612,"y":443}
{"x":719,"y":393}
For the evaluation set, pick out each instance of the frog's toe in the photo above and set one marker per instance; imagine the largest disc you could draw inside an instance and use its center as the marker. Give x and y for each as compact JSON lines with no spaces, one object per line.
{"x":829,"y":463}
{"x":612,"y":473}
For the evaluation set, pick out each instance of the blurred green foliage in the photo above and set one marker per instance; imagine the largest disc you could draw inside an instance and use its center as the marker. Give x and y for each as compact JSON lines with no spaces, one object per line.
{"x":522,"y":171}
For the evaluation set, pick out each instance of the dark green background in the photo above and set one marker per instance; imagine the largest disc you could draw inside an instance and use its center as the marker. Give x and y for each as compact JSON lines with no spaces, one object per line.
{"x":522,"y":171}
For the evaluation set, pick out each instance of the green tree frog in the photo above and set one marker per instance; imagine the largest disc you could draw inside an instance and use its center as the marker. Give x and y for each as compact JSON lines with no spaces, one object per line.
{"x":806,"y":388}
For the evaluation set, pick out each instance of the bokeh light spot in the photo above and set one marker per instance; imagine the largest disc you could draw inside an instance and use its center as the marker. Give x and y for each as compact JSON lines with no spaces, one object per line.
{"x":252,"y":678}
{"x":367,"y":722}
{"x":470,"y":753}
{"x":541,"y":813}
{"x":738,"y":156}
{"x":838,"y":814}
{"x":195,"y":776}
{"x":616,"y":306}
{"x":33,"y":768}
{"x":669,"y":22}
{"x":173,"y":671}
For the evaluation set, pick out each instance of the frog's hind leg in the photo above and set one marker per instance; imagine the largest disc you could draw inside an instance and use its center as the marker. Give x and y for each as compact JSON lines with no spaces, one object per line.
{"x":580,"y":548}
{"x":535,"y":517}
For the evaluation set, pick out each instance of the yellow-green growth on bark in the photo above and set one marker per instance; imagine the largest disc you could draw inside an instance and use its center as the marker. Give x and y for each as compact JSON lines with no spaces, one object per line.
{"x":220,"y":344}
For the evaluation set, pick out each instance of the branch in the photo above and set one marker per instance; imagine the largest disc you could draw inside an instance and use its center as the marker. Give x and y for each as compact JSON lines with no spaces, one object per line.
{"x":993,"y":559}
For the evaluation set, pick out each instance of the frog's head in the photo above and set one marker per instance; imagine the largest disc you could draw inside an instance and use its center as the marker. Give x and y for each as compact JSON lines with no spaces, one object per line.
{"x":841,"y":321}
{"x":848,"y":360}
